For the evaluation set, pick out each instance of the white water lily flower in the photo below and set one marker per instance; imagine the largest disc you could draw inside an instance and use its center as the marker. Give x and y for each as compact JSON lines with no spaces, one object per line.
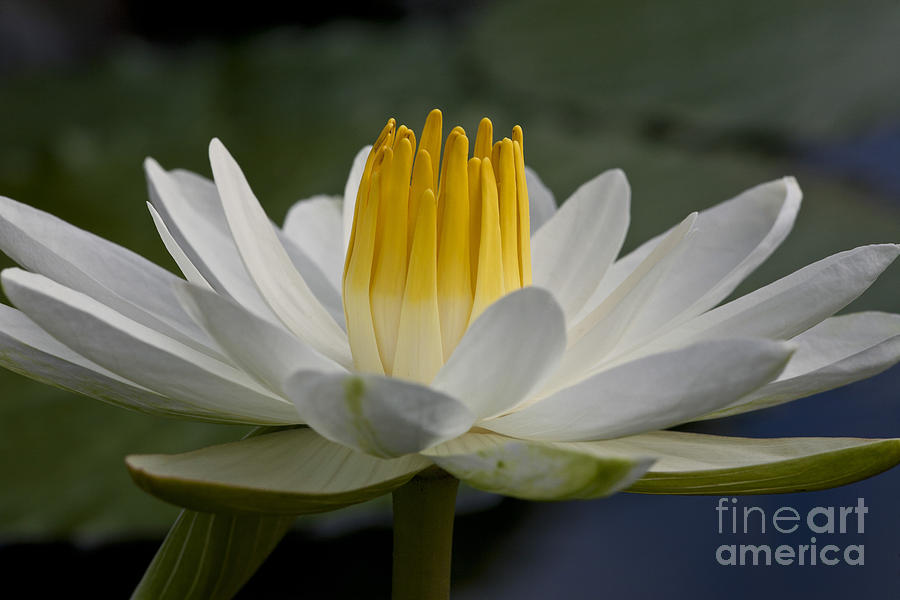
{"x":448,"y":316}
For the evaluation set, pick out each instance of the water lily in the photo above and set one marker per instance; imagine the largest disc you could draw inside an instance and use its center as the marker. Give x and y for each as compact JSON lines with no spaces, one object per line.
{"x":443,"y":321}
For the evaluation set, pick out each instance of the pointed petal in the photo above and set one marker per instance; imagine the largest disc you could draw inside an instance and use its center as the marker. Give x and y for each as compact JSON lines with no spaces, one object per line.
{"x":315,"y":226}
{"x":572,"y":251}
{"x":506,"y":353}
{"x":119,"y":278}
{"x":268,"y":263}
{"x":651,"y":393}
{"x":210,"y":556}
{"x":732,"y":239}
{"x":693,"y":463}
{"x":597,"y":334}
{"x":189,"y":206}
{"x":837,"y":351}
{"x":28,"y":350}
{"x":286,"y":472}
{"x":184,"y":263}
{"x":375,"y":414}
{"x":535,"y":470}
{"x":792,"y":304}
{"x":142,"y":355}
{"x":263,"y":349}
{"x":541,"y":203}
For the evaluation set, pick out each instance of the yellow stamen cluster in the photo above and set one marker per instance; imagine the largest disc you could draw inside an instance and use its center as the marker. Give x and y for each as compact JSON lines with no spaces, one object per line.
{"x":432,"y":247}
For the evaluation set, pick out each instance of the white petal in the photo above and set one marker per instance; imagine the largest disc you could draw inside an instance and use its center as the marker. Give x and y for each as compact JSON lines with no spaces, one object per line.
{"x":350,"y":190}
{"x":732,"y":239}
{"x":285,"y":472}
{"x":654,"y":392}
{"x":837,"y":351}
{"x":27,"y":349}
{"x":190,"y":208}
{"x":572,"y":251}
{"x":693,"y":463}
{"x":535,"y":470}
{"x":790,"y":305}
{"x":268,"y":263}
{"x":505,"y":353}
{"x":263,"y":349}
{"x":143,"y":355}
{"x":315,"y":225}
{"x":184,"y":263}
{"x":735,"y":236}
{"x":375,"y":414}
{"x":598,"y":332}
{"x":541,"y":203}
{"x":109,"y":273}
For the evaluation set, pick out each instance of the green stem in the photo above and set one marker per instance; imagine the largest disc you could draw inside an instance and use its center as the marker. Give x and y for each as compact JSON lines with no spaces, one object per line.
{"x":423,"y":536}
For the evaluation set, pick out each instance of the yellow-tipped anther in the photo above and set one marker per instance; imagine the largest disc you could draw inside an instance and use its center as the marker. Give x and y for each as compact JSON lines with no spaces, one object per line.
{"x":432,"y":245}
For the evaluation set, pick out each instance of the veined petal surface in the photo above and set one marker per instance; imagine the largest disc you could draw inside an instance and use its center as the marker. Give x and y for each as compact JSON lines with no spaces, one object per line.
{"x":288,"y":472}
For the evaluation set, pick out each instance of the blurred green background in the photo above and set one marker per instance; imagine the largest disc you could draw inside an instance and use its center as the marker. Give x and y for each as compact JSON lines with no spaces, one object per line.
{"x":695,"y":100}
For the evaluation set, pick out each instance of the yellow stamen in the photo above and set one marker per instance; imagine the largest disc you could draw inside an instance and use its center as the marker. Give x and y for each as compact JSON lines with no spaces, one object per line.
{"x":419,"y":355}
{"x":484,"y":139}
{"x":434,"y":242}
{"x":490,"y":283}
{"x":509,"y":230}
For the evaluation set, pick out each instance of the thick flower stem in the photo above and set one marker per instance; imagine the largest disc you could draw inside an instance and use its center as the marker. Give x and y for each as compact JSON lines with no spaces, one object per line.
{"x":423,"y":536}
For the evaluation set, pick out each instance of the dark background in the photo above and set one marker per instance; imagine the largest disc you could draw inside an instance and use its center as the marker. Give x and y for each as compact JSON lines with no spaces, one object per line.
{"x":695,"y":100}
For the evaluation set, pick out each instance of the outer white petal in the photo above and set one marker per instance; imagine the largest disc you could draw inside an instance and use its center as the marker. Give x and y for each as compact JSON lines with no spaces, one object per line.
{"x":350,"y":190}
{"x":109,"y":273}
{"x":541,"y":203}
{"x":535,"y":470}
{"x":654,"y":392}
{"x":143,"y":355}
{"x":572,"y":251}
{"x":375,"y":414}
{"x":732,"y":239}
{"x":28,"y":350}
{"x":790,"y":305}
{"x":263,"y":349}
{"x":269,"y":264}
{"x":505,"y":353}
{"x":315,"y":225}
{"x":693,"y":463}
{"x":285,"y":472}
{"x":837,"y":351}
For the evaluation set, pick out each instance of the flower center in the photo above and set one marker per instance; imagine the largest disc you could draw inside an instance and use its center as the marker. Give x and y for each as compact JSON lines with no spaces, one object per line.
{"x":431,"y":248}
